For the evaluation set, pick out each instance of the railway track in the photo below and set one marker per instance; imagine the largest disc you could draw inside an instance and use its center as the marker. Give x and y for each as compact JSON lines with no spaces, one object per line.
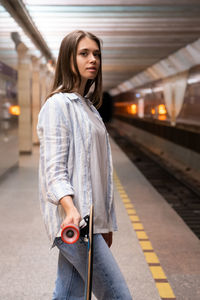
{"x":182,"y":196}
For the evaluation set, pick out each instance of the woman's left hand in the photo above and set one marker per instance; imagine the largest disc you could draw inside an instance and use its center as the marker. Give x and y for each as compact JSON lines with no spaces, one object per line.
{"x":108,"y":238}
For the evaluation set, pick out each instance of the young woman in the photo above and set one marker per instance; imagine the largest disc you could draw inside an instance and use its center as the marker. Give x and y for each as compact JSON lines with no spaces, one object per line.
{"x":76,"y":170}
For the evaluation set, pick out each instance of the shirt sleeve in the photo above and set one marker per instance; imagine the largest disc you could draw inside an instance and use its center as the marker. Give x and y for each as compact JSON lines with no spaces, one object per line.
{"x":54,"y":135}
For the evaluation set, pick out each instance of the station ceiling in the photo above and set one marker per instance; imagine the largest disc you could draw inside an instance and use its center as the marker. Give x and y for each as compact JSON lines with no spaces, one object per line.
{"x":135,"y":33}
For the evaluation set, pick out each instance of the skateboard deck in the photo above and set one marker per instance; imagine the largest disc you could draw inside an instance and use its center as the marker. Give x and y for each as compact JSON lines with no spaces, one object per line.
{"x":88,"y":286}
{"x":70,"y":235}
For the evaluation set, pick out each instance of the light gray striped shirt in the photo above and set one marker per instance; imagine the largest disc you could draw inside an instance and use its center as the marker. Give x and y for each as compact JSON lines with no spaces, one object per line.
{"x":65,"y":134}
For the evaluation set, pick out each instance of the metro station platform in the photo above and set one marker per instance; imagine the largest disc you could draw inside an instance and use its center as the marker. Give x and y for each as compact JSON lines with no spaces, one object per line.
{"x":157,"y":253}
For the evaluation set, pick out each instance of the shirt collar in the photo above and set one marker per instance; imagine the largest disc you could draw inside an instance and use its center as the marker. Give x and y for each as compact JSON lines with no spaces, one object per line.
{"x":72,"y":96}
{"x":76,"y":96}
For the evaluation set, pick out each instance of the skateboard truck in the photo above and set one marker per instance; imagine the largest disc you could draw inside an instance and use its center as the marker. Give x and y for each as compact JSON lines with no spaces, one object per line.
{"x":71,"y":233}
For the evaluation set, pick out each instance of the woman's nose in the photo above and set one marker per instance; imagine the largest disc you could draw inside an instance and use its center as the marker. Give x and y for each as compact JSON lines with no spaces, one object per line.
{"x":92,"y":58}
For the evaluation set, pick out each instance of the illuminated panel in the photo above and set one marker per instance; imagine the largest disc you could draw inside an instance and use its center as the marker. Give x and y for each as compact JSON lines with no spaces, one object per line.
{"x":133,"y":109}
{"x":14,"y":110}
{"x":161,"y":109}
{"x":162,"y":112}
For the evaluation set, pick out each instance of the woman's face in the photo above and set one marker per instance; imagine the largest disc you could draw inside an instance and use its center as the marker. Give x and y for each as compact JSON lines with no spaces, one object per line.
{"x":88,"y":58}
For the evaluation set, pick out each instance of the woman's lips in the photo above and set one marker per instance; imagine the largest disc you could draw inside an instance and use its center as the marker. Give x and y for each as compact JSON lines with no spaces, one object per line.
{"x":92,"y":69}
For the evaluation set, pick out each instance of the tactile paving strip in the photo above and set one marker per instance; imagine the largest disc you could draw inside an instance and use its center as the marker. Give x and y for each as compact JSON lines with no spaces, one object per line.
{"x":164,"y":289}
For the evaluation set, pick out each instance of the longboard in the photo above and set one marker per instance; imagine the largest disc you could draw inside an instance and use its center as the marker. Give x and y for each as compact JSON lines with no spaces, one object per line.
{"x":70,"y":234}
{"x":88,"y":286}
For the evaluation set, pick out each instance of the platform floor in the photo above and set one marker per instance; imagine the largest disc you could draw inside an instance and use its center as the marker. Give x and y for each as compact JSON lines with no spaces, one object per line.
{"x":156,"y":251}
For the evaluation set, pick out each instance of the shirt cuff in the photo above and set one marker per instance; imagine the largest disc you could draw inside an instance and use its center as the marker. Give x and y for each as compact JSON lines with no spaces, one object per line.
{"x":58,"y":191}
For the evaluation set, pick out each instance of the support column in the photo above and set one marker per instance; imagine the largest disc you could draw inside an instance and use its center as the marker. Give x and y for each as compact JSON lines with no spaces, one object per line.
{"x":49,"y":80}
{"x":173,"y":108}
{"x":24,"y":99}
{"x":43,"y":83}
{"x":46,"y":80}
{"x":35,"y":98}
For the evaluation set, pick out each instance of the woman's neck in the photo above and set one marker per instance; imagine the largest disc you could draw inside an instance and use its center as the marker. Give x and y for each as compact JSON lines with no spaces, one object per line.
{"x":80,"y":89}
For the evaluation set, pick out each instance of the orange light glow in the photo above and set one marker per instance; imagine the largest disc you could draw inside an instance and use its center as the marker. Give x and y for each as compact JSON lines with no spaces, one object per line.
{"x":161,"y":109}
{"x":153,"y":111}
{"x":162,"y":117}
{"x":14,"y":110}
{"x":133,"y":109}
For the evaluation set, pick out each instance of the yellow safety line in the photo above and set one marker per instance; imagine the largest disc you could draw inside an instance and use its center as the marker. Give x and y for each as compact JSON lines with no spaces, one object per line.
{"x":164,"y":289}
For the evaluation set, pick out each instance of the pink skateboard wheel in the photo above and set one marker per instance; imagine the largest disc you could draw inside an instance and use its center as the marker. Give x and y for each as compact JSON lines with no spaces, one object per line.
{"x":70,"y":234}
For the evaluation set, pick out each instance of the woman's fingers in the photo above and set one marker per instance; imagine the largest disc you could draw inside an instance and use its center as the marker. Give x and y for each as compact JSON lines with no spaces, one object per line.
{"x":73,"y":218}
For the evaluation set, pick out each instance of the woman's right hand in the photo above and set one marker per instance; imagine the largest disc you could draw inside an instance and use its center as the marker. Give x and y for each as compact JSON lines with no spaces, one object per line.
{"x":72,"y":214}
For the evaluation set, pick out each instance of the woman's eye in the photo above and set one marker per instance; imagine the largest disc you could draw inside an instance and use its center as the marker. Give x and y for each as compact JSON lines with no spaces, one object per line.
{"x":83,"y":53}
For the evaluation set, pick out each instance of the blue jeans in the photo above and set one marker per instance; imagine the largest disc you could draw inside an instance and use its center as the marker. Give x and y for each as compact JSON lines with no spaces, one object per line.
{"x":107,"y":283}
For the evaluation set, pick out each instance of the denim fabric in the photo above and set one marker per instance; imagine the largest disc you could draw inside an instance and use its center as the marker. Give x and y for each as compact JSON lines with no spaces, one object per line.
{"x":108,"y":282}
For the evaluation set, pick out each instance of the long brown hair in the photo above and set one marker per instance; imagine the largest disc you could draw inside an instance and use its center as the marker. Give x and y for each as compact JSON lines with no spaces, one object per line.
{"x":65,"y":79}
